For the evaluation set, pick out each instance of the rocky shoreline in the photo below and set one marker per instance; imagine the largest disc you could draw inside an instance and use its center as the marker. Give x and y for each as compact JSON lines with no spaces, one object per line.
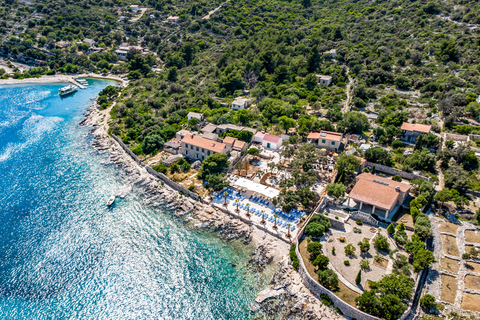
{"x":285,"y":298}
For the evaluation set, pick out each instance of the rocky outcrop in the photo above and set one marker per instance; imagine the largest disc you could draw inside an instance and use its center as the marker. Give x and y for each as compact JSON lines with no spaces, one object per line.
{"x":286,"y":298}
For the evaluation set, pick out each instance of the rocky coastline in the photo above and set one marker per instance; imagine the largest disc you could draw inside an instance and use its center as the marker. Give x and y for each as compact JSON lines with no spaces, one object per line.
{"x":285,"y":298}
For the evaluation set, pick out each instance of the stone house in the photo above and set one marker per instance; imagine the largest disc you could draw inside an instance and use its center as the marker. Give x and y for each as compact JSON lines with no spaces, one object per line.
{"x":240,"y":103}
{"x":411,"y":131}
{"x":198,"y":148}
{"x":324,"y":80}
{"x":329,"y":140}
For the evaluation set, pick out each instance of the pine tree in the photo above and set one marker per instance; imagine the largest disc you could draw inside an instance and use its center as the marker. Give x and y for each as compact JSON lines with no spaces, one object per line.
{"x":358,"y":279}
{"x":391,"y":229}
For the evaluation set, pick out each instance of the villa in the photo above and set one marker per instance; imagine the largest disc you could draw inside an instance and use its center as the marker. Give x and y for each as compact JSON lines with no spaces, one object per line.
{"x":198,"y":148}
{"x":240,"y":103}
{"x":324,"y":80}
{"x":377,"y":195}
{"x":411,"y":131}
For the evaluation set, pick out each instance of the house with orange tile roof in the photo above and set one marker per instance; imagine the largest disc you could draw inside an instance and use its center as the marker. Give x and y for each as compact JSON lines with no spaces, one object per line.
{"x":411,"y":131}
{"x":329,"y":140}
{"x":235,"y":144}
{"x":198,"y":148}
{"x":377,"y":195}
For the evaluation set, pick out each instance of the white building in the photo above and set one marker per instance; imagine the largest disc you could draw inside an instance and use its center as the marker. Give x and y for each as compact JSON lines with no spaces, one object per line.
{"x":134,"y":8}
{"x":268,"y":141}
{"x":195,"y":115}
{"x":240,"y":103}
{"x":332,"y":52}
{"x":324,"y":80}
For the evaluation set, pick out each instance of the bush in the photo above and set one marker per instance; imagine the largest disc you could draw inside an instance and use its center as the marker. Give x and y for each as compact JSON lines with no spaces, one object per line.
{"x":161,"y":168}
{"x":358,"y":279}
{"x":381,"y":243}
{"x":364,"y":245}
{"x":427,"y":302}
{"x":326,"y":300}
{"x":359,"y":222}
{"x":397,"y":178}
{"x":346,"y":262}
{"x":314,"y":248}
{"x":466,"y":256}
{"x":293,"y":257}
{"x":191,"y":187}
{"x":350,"y":249}
{"x":397,"y":144}
{"x":365,"y":264}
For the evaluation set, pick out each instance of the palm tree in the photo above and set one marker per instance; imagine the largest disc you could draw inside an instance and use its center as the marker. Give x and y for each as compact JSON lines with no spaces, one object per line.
{"x":288,"y":231}
{"x":225,"y":194}
{"x":237,"y":202}
{"x":263,"y":218}
{"x":275,"y":222}
{"x":248,"y":210}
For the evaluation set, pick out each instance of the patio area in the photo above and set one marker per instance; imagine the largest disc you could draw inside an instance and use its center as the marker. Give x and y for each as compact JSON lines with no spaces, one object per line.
{"x":257,"y":205}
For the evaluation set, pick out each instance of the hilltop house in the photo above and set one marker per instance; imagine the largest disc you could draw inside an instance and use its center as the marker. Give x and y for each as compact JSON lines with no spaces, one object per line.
{"x":324,"y":80}
{"x":326,"y":139}
{"x":377,"y":195}
{"x":198,"y":148}
{"x":240,"y":103}
{"x":268,"y":141}
{"x":411,"y":131}
{"x":195,"y":115}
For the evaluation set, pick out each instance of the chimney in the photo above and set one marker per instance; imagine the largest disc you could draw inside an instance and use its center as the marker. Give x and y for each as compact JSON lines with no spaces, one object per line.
{"x":397,"y":188}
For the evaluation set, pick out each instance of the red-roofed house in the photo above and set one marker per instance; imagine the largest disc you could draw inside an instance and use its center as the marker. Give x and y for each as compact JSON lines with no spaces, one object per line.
{"x":384,"y":196}
{"x":411,"y":131}
{"x":199,"y":148}
{"x":326,"y":139}
{"x":268,"y":141}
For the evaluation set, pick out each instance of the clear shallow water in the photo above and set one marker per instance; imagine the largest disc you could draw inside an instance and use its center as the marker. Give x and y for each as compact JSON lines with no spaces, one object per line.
{"x":64,"y":255}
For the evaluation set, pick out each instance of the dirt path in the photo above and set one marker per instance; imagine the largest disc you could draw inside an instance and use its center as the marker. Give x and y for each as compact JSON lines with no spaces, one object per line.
{"x":214,"y":10}
{"x":350,"y":84}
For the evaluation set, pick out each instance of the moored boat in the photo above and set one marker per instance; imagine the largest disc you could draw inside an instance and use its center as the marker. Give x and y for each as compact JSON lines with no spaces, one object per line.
{"x":67,"y":90}
{"x":110,"y":201}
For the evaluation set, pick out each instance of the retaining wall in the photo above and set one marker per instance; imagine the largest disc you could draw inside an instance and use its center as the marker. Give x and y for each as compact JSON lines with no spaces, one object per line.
{"x":393,"y":171}
{"x":159,"y":175}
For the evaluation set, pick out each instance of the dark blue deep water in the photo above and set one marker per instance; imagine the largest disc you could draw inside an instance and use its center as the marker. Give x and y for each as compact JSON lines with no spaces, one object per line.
{"x":64,"y":255}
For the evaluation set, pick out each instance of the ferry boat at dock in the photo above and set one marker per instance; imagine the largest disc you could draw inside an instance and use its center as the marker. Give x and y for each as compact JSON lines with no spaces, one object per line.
{"x":67,"y":90}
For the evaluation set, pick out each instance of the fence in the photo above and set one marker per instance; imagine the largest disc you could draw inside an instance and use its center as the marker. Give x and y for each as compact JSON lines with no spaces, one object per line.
{"x":159,"y":175}
{"x":393,"y":171}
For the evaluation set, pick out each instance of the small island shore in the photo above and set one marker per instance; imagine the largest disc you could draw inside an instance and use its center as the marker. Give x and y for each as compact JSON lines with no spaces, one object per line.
{"x":59,"y":78}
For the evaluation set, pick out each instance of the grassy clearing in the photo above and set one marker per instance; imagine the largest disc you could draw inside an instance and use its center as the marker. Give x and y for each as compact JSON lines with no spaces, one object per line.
{"x":470,"y":302}
{"x":473,"y":267}
{"x":472,"y":236}
{"x":472,"y":282}
{"x":449,"y":288}
{"x":448,"y":227}
{"x":450,"y":245}
{"x":450,"y":265}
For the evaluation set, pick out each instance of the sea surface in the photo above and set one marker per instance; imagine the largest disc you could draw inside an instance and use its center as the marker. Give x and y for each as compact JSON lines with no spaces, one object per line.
{"x":65,"y":255}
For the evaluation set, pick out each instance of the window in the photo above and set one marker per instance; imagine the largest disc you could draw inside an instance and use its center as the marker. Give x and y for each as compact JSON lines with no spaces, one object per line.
{"x":186,"y":145}
{"x":186,"y":151}
{"x":198,"y":149}
{"x":333,"y":143}
{"x":208,"y":152}
{"x":197,"y":155}
{"x":203,"y":157}
{"x":323,"y":141}
{"x":203,"y":150}
{"x":191,"y":147}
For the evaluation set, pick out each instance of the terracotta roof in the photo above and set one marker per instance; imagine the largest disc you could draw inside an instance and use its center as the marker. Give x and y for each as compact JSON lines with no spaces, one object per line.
{"x":377,"y":191}
{"x":203,"y":143}
{"x":327,"y":135}
{"x":391,"y":183}
{"x":270,"y":138}
{"x":416,"y":127}
{"x":229,"y":140}
{"x":239,"y":144}
{"x":374,"y":194}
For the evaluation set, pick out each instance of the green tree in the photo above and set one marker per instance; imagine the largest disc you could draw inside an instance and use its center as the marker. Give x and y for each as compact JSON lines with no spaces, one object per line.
{"x":321,"y":262}
{"x":353,"y":122}
{"x":336,"y":190}
{"x":286,"y":123}
{"x":381,"y":243}
{"x":391,"y":229}
{"x":328,"y":278}
{"x":364,"y":245}
{"x":314,"y":248}
{"x":427,"y":302}
{"x":315,"y":229}
{"x":350,"y":249}
{"x":422,"y":259}
{"x":358,"y":279}
{"x":172,"y":74}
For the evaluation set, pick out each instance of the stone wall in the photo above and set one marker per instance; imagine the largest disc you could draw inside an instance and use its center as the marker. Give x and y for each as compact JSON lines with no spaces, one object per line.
{"x":393,"y":171}
{"x":159,"y":175}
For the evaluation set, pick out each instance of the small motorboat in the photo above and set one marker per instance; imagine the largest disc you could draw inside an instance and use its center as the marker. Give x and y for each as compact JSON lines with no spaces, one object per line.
{"x":67,"y":90}
{"x":83,"y":82}
{"x":110,"y":201}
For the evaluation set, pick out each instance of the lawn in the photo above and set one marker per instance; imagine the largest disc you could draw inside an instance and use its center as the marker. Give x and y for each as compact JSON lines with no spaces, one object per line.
{"x":450,"y":245}
{"x":450,"y":265}
{"x":470,"y":302}
{"x":472,"y":236}
{"x":449,"y":288}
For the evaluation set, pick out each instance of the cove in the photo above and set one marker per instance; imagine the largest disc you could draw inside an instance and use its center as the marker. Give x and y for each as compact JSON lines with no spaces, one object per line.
{"x":65,"y":255}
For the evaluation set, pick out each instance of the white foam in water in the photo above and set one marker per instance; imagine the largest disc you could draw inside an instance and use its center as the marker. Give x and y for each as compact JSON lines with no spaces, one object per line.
{"x":33,"y":129}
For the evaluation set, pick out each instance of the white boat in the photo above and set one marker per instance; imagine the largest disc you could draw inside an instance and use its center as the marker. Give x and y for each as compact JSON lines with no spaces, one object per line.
{"x":82,"y":82}
{"x":67,"y":90}
{"x":110,"y":201}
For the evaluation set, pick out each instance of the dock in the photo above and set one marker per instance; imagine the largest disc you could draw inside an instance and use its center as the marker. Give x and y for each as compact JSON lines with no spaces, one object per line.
{"x":77,"y":84}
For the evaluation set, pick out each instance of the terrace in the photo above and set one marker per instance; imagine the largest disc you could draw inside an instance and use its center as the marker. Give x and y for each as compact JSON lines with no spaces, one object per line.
{"x":259,"y":210}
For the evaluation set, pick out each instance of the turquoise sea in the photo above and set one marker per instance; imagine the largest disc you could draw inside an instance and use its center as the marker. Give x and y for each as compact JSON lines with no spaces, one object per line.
{"x":64,"y":255}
